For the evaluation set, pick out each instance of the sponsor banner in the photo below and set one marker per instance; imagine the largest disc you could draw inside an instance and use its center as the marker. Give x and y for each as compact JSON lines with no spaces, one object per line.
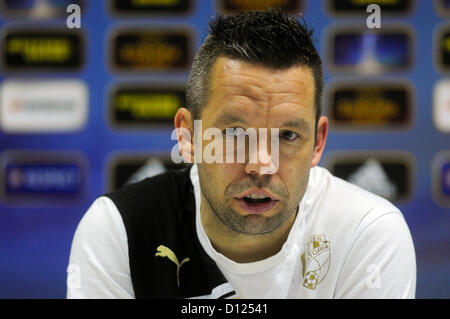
{"x":42,"y":178}
{"x":388,"y":174}
{"x":127,"y":168}
{"x":441,"y":178}
{"x":143,"y":106}
{"x":441,"y":106}
{"x":380,"y":104}
{"x":442,"y":7}
{"x":42,"y":49}
{"x":149,"y":7}
{"x":359,"y":50}
{"x":151,"y":50}
{"x":442,"y":49}
{"x":35,"y":175}
{"x":234,"y":6}
{"x":352,"y":7}
{"x":37,"y":9}
{"x":35,"y":106}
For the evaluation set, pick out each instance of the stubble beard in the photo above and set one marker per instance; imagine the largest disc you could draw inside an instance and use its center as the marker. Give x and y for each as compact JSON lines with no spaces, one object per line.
{"x":252,"y":224}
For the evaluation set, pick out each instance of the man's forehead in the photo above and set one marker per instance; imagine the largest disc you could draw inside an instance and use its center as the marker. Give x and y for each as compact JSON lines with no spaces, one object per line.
{"x":230,"y":65}
{"x":247,"y":77}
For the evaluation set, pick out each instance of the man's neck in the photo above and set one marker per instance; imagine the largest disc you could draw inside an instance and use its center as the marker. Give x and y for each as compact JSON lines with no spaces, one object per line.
{"x":243,"y":248}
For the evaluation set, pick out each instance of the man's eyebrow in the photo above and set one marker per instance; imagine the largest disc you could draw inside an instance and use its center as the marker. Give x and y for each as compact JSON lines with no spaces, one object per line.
{"x":228,"y":118}
{"x":298,"y":123}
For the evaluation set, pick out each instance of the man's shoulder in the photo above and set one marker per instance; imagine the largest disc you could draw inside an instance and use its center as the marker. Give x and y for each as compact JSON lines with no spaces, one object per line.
{"x":361,"y":227}
{"x":166,"y":183}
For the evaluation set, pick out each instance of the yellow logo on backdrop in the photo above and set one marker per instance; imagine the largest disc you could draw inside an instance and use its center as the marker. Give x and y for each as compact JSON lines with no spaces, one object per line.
{"x":40,"y":49}
{"x":152,"y":105}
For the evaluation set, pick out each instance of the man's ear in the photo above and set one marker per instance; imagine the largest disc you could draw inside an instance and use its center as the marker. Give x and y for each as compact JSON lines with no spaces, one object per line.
{"x":321,"y":140}
{"x":184,"y":127}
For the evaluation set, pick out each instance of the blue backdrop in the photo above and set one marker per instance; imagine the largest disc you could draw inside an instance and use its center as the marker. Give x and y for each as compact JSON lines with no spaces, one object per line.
{"x":35,"y":238}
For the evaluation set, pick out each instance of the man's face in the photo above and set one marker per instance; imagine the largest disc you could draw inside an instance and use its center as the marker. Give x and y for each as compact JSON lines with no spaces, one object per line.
{"x":244,"y":95}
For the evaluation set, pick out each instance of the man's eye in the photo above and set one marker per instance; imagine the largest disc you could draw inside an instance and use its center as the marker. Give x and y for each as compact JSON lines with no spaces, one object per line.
{"x":233,"y":131}
{"x":288,"y":135}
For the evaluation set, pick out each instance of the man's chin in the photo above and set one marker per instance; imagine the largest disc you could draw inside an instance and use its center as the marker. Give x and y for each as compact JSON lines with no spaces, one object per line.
{"x":252,"y":224}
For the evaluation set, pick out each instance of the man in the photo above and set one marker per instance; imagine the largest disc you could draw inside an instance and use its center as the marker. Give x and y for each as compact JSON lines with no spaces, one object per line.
{"x":275,"y":227}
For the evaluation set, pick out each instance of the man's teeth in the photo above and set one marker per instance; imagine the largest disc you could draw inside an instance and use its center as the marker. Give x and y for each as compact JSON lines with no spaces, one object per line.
{"x":256,"y":196}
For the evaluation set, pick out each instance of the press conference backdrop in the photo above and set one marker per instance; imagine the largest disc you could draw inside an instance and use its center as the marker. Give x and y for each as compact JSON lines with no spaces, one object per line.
{"x":86,"y":110}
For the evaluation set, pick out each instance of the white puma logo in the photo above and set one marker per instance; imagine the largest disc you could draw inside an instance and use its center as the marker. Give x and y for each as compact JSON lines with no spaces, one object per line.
{"x":164,"y":251}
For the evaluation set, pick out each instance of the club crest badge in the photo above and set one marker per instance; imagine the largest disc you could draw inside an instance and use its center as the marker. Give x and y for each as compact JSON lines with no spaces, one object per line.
{"x":315,"y":261}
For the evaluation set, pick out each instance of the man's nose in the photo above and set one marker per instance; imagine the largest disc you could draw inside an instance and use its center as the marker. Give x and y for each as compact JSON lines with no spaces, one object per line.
{"x":263,"y":161}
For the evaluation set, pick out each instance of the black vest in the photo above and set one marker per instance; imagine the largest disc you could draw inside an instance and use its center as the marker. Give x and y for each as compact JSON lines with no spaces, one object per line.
{"x":161,"y":211}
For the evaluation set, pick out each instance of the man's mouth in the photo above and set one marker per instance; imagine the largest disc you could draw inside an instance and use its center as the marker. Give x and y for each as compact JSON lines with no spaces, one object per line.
{"x":256,"y":198}
{"x":257,"y":201}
